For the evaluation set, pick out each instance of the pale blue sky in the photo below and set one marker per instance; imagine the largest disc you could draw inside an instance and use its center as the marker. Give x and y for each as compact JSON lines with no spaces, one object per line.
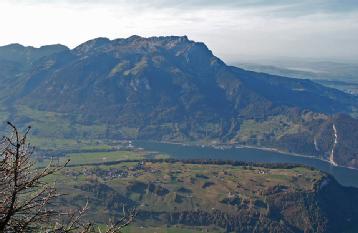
{"x":324,"y":29}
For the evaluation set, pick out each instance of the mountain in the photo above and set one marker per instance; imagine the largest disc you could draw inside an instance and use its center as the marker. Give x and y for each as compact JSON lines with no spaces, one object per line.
{"x":174,"y":89}
{"x":185,"y":72}
{"x":15,"y":60}
{"x":26,"y":56}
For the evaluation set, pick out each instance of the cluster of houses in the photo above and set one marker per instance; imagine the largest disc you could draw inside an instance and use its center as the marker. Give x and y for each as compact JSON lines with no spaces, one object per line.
{"x":113,"y":173}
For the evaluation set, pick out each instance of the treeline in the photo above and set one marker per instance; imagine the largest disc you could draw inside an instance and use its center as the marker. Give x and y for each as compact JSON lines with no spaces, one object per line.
{"x":203,"y":162}
{"x":229,"y":162}
{"x":62,"y":153}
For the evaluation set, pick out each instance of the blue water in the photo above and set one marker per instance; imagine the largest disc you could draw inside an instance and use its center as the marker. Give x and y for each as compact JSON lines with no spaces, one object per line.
{"x":345,"y":176}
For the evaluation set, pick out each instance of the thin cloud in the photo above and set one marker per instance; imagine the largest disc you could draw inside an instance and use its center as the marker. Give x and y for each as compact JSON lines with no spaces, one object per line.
{"x":295,"y":7}
{"x":232,"y":29}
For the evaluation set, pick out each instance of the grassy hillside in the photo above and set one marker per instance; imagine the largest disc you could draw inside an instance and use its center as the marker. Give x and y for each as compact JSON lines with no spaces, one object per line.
{"x":193,"y":197}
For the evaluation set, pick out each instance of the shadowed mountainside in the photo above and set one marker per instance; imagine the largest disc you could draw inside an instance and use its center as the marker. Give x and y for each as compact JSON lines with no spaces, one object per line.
{"x":174,"y":89}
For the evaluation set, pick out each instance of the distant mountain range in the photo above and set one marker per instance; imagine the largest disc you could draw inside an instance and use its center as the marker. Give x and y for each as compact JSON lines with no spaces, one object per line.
{"x":343,"y":76}
{"x":172,"y":89}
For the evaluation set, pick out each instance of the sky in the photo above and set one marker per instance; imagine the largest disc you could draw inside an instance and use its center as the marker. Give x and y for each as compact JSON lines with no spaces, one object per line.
{"x":232,"y":29}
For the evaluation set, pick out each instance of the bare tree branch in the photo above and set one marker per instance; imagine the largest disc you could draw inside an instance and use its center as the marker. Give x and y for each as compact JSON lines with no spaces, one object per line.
{"x":27,"y":203}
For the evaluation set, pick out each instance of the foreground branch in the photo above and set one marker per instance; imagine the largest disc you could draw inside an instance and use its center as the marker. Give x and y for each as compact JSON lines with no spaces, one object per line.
{"x":27,"y":203}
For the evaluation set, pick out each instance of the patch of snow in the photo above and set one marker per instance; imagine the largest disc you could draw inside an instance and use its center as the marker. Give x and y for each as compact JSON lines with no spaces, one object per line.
{"x":316,"y":144}
{"x":331,"y":157}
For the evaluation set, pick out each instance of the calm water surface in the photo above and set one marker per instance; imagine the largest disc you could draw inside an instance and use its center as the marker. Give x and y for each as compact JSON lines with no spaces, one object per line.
{"x":347,"y":177}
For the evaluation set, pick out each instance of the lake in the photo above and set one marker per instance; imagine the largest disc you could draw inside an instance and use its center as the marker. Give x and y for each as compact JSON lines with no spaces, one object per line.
{"x":345,"y":176}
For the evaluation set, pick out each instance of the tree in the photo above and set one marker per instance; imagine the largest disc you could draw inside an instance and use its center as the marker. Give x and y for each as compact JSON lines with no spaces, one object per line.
{"x":27,"y":203}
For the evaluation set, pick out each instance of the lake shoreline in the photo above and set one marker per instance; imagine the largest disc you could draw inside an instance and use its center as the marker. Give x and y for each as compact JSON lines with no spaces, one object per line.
{"x":240,"y":146}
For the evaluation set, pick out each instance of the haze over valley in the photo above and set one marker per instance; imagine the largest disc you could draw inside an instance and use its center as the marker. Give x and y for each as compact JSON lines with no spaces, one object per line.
{"x":167,"y":116}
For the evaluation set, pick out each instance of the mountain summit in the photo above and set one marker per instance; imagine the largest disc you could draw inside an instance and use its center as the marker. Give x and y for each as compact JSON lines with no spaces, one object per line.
{"x":175,"y":89}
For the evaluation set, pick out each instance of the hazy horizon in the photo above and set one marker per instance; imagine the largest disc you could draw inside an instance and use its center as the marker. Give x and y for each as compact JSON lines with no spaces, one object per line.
{"x":253,"y":29}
